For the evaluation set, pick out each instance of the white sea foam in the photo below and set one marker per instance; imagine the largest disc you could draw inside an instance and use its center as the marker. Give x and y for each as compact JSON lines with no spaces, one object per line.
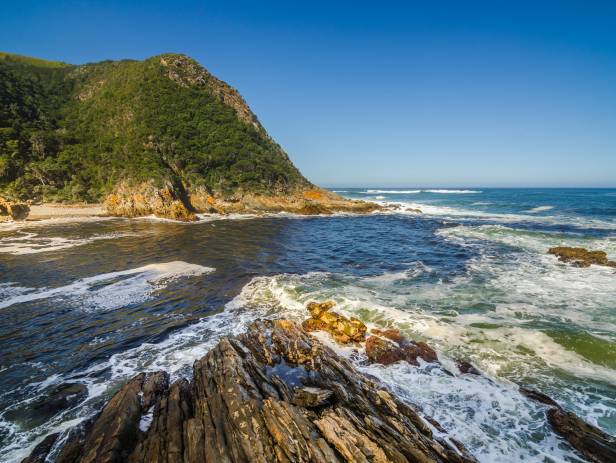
{"x":391,"y":192}
{"x":455,"y":192}
{"x":8,"y":226}
{"x":32,"y":243}
{"x":534,"y":210}
{"x":108,"y":290}
{"x":490,"y":417}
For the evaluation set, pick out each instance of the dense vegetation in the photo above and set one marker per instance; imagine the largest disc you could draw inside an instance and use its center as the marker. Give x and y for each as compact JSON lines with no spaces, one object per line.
{"x":72,"y":133}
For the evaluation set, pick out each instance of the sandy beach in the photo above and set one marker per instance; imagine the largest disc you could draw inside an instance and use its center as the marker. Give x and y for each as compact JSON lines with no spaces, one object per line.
{"x":51,"y":210}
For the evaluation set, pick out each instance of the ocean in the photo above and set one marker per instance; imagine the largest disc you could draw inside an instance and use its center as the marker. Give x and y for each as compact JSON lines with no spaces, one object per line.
{"x":92,"y":301}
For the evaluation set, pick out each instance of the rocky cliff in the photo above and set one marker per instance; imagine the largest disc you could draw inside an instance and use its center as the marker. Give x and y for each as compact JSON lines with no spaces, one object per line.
{"x":160,"y":136}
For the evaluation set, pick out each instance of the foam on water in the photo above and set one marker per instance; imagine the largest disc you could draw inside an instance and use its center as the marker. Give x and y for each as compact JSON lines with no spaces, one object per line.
{"x":540,"y":209}
{"x":392,"y":192}
{"x":455,"y":192}
{"x":32,"y":243}
{"x":108,"y":290}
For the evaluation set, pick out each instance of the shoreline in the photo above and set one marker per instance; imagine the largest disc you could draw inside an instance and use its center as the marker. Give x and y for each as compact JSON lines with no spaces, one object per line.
{"x":59,"y":211}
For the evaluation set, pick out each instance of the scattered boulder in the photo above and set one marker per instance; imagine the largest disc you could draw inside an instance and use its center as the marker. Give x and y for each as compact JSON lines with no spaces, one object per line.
{"x":390,"y":346}
{"x":272,"y":394}
{"x":590,"y":441}
{"x":13,"y":210}
{"x":580,"y":257}
{"x":343,"y":330}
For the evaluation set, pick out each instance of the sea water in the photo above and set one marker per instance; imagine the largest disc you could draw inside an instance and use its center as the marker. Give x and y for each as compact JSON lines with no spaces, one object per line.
{"x":94,"y":301}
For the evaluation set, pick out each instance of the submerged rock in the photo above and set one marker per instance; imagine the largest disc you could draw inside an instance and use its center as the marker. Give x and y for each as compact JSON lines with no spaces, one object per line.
{"x":13,"y":210}
{"x":40,"y":452}
{"x":390,"y":346}
{"x":580,"y":257}
{"x":596,"y":445}
{"x":343,"y":330}
{"x":52,"y":402}
{"x":272,"y":394}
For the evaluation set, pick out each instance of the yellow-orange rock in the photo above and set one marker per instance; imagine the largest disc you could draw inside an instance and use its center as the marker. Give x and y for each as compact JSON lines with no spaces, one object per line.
{"x":344,"y":330}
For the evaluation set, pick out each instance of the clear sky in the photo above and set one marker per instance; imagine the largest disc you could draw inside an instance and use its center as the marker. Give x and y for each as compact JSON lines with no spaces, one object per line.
{"x":381,"y":93}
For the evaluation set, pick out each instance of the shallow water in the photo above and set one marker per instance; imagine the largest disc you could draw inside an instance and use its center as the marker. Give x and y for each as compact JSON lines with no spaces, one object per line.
{"x":95,"y":301}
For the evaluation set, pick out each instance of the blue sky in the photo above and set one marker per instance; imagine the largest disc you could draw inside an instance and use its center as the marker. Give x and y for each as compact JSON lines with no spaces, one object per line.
{"x":494,"y":93}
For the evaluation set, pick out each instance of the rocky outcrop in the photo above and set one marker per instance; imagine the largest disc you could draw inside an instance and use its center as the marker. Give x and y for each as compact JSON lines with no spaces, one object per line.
{"x":313,"y":201}
{"x":174,"y":202}
{"x":588,"y":440}
{"x":580,"y":257}
{"x":343,"y":330}
{"x":13,"y":210}
{"x":167,"y":202}
{"x":272,"y":394}
{"x":390,"y":346}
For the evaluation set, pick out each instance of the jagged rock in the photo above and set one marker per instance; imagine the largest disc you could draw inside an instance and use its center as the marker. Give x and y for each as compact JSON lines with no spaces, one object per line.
{"x":596,"y":445}
{"x":39,"y":454}
{"x":342,"y":329}
{"x":309,"y":397}
{"x":169,"y":202}
{"x":587,"y":439}
{"x":580,"y":257}
{"x":390,"y":346}
{"x":272,"y":394}
{"x":154,"y":386}
{"x":13,"y":210}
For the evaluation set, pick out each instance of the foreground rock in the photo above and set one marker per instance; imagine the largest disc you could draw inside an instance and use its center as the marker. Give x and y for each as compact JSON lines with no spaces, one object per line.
{"x":390,"y":346}
{"x":13,"y":210}
{"x":580,"y":257}
{"x":343,"y":330}
{"x":587,"y":439}
{"x":273,"y":394}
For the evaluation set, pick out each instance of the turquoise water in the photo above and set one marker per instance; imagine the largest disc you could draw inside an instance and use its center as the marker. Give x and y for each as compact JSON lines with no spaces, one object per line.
{"x":94,"y":301}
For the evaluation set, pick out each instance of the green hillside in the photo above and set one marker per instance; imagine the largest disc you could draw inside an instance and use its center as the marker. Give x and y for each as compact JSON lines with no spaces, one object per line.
{"x":73,"y":133}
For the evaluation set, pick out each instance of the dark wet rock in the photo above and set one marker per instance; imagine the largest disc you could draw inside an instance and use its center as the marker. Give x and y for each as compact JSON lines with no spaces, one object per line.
{"x":467,"y":368}
{"x":272,"y":394}
{"x":390,"y":346}
{"x":580,"y":257}
{"x":39,"y":454}
{"x":539,"y":397}
{"x":51,"y":403}
{"x":590,"y":441}
{"x":343,"y":330}
{"x":587,"y":439}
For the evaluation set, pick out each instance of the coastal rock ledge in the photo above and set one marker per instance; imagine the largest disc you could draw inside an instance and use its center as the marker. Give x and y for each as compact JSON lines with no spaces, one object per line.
{"x":272,"y":394}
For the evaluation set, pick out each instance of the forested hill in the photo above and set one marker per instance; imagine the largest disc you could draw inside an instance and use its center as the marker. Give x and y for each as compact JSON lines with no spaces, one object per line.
{"x":74,"y":133}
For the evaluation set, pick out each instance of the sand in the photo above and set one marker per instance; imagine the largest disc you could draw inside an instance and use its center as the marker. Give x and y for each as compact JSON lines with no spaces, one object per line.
{"x":52,"y":211}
